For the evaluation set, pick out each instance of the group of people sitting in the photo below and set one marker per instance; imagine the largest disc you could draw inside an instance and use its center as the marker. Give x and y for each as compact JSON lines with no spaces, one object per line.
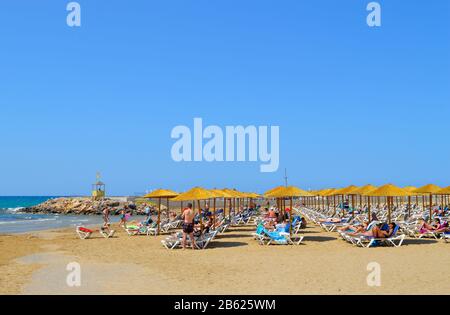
{"x":274,"y":220}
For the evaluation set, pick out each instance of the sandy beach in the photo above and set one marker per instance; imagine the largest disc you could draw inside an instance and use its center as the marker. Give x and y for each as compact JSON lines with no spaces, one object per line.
{"x":35,"y":263}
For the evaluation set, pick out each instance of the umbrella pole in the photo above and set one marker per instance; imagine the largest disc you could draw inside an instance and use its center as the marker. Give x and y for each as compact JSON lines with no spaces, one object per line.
{"x":224,"y":207}
{"x":290,"y":219}
{"x":334,"y":205}
{"x":409,"y":206}
{"x":200,"y":212}
{"x":159,"y":215}
{"x":368,"y":209}
{"x":214,"y":213}
{"x":389,"y":200}
{"x":431,"y":206}
{"x":423,"y":203}
{"x":168,"y":208}
{"x":353,"y":206}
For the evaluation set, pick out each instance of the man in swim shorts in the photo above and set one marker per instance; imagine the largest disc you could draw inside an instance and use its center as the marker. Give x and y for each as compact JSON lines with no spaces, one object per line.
{"x":188,"y":226}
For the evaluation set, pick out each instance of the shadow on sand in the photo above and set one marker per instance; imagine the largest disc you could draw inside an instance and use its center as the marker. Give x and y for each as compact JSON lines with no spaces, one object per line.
{"x":231,"y":235}
{"x":417,"y":241}
{"x":319,"y":238}
{"x":226,"y":244}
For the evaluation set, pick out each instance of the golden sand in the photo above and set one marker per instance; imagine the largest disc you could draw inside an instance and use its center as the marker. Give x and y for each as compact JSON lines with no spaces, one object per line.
{"x":36,"y":263}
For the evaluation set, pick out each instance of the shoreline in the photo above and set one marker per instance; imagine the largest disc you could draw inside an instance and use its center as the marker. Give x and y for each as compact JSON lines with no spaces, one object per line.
{"x":36,"y":264}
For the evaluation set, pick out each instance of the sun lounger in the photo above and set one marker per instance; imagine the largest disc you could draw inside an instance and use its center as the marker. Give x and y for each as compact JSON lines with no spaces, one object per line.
{"x":281,"y":238}
{"x":331,"y":226}
{"x":107,"y":235}
{"x":446,"y":237}
{"x":202,"y":241}
{"x":85,"y":233}
{"x":394,"y":240}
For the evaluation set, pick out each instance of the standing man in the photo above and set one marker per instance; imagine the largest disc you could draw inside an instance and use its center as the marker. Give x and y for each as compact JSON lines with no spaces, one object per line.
{"x":188,"y":225}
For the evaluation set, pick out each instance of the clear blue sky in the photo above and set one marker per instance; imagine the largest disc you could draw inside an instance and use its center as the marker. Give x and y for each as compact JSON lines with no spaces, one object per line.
{"x":355,"y":105}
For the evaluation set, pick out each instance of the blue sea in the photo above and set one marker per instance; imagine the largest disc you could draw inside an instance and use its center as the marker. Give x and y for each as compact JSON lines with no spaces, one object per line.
{"x":12,"y":221}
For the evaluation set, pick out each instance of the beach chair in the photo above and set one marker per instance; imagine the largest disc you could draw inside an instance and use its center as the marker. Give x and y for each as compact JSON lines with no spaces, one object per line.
{"x":170,"y":226}
{"x":432,"y":234}
{"x":331,"y":226}
{"x":107,"y":235}
{"x":204,"y":240}
{"x":133,"y":230}
{"x":260,"y":236}
{"x":281,"y":238}
{"x":83,"y":232}
{"x":394,"y":240}
{"x":446,"y":236}
{"x":355,"y":240}
{"x":173,"y":241}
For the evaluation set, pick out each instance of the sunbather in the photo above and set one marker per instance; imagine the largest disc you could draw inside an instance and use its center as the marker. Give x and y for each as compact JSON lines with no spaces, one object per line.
{"x":378,"y":231}
{"x":330,"y":220}
{"x":425,"y":227}
{"x":355,"y":228}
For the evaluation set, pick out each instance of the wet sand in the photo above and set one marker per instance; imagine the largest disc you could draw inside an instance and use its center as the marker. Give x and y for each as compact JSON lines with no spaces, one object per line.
{"x":35,"y":263}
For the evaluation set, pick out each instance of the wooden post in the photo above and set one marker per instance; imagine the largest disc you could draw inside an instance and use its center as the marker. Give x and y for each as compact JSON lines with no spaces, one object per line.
{"x":201,"y":216}
{"x":290,"y":218}
{"x":168,"y":208}
{"x":389,"y":200}
{"x":409,"y":206}
{"x":353,"y":206}
{"x":214,"y":213}
{"x":431,"y":206}
{"x":159,"y":215}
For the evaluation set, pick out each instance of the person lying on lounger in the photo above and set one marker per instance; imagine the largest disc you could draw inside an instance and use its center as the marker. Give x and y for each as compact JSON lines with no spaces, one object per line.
{"x":437,"y":226}
{"x":330,"y":220}
{"x":355,"y":228}
{"x":378,"y":231}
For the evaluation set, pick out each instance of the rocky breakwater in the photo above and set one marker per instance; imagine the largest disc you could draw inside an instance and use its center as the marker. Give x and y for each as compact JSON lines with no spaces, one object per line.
{"x":85,"y":206}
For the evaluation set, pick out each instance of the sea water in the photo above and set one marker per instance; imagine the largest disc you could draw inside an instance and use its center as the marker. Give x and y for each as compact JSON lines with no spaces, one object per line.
{"x":13,"y":221}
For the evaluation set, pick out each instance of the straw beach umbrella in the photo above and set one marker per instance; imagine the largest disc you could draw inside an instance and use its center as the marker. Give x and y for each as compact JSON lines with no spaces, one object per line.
{"x":218,"y":193}
{"x":328,"y":193}
{"x":411,"y":189}
{"x":159,"y":194}
{"x":444,"y":192}
{"x":389,"y":191}
{"x":235,"y":196}
{"x":349,"y":191}
{"x":196,"y":194}
{"x":428,"y":189}
{"x":274,"y":190}
{"x":289,"y":192}
{"x":362,"y":192}
{"x":325,"y":193}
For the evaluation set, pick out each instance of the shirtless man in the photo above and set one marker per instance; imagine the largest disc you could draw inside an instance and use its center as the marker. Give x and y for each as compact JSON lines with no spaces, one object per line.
{"x":188,"y":225}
